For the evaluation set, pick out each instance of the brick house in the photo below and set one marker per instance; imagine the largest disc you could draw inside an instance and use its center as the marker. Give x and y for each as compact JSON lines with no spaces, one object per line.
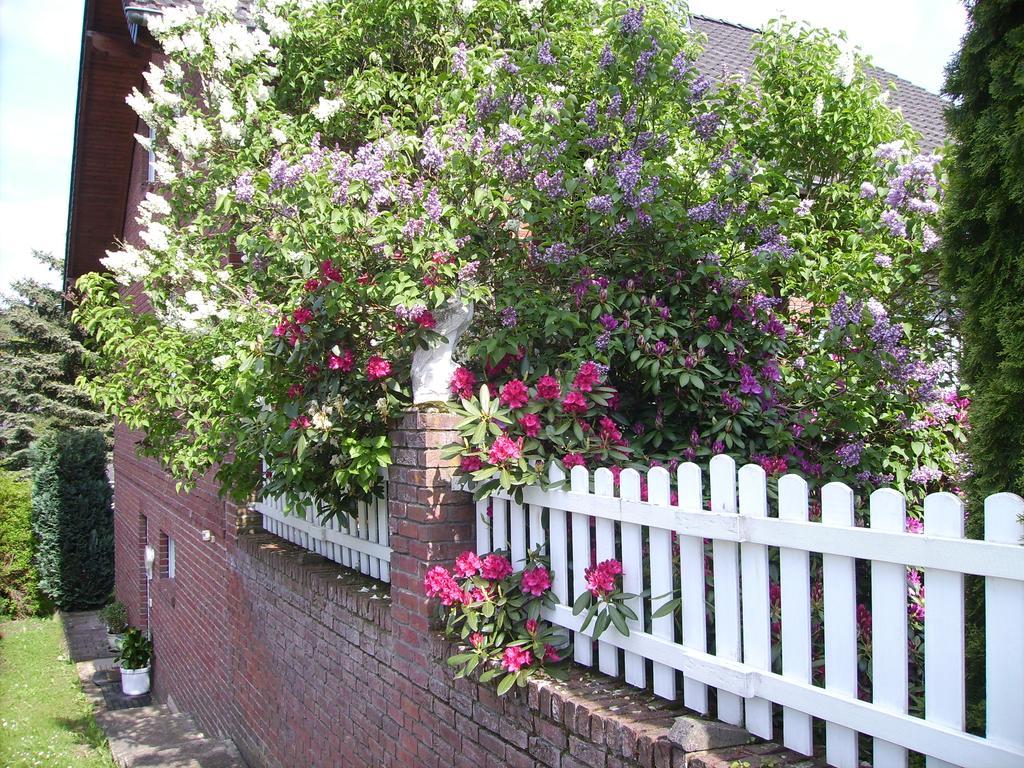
{"x":288,"y":654}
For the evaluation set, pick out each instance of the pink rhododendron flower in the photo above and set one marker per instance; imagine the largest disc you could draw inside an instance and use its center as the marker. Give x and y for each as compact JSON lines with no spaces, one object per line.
{"x":610,"y":431}
{"x":312,"y":370}
{"x":914,"y":525}
{"x":548,"y":388}
{"x":530,"y":423}
{"x":462,"y":383}
{"x":470,"y":464}
{"x":514,"y":394}
{"x":571,"y":460}
{"x":505,"y":449}
{"x":295,"y":390}
{"x":468,"y":564}
{"x":536,"y":581}
{"x":302,"y":315}
{"x":588,"y":376}
{"x":601,"y":577}
{"x":377,"y":368}
{"x":439,"y":583}
{"x":515,"y":658}
{"x":302,"y":422}
{"x":476,"y":639}
{"x":574,"y":402}
{"x":531,"y":626}
{"x":495,"y":567}
{"x":551,"y":654}
{"x":330,"y":272}
{"x":425,"y":319}
{"x":343,"y":362}
{"x":312,"y":284}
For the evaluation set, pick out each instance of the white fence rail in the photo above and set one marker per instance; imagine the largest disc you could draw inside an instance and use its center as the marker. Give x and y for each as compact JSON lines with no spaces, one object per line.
{"x":360,"y":543}
{"x":732,"y":653}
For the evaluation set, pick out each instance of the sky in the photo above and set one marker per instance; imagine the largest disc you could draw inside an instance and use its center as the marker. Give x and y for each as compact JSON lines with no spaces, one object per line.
{"x":39,"y":52}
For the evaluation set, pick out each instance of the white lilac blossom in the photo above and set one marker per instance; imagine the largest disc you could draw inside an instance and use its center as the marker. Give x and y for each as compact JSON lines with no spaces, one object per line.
{"x":819,"y":105}
{"x":803,"y":208}
{"x":188,"y":135}
{"x":845,"y":67}
{"x":466,"y":7}
{"x":128,"y":265}
{"x":155,"y":237}
{"x":925,"y":475}
{"x":221,"y":362}
{"x":326,"y":109}
{"x":529,"y":7}
{"x":220,"y":6}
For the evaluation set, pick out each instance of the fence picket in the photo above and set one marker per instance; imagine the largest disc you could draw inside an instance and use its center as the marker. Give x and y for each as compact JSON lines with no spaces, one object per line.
{"x":372,"y":527}
{"x":757,"y":639}
{"x":888,"y":625}
{"x":364,"y":559}
{"x":692,"y":584}
{"x":1004,"y":618}
{"x":944,"y":624}
{"x":662,"y":583}
{"x":517,"y":534}
{"x":840,"y":586}
{"x":483,"y":527}
{"x":795,"y":585}
{"x":579,"y":479}
{"x":725,"y":556}
{"x":499,"y":524}
{"x":537,"y":538}
{"x":559,"y":546}
{"x":633,"y":575}
{"x":383,"y":536}
{"x":604,"y":531}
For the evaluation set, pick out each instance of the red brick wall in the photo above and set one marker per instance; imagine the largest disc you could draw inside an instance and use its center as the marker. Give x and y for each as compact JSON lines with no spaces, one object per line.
{"x":294,"y":658}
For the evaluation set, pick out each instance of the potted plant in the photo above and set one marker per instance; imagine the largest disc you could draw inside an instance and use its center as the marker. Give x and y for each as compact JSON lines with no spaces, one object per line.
{"x":115,"y":616}
{"x":133,"y":657}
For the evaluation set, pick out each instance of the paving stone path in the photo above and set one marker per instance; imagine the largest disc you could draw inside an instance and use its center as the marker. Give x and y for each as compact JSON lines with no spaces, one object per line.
{"x":141,"y":734}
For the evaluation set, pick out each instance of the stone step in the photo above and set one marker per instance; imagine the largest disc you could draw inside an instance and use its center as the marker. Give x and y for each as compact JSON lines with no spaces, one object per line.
{"x":155,"y":737}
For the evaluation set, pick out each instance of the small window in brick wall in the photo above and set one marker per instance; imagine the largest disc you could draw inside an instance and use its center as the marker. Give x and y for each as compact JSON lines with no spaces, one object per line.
{"x":167,"y":556}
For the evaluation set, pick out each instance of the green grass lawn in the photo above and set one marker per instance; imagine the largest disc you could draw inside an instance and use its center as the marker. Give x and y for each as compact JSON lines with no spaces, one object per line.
{"x":45,"y":719}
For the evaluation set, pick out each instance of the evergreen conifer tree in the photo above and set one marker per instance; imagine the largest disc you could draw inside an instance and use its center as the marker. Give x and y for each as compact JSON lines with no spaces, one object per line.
{"x":41,"y":354}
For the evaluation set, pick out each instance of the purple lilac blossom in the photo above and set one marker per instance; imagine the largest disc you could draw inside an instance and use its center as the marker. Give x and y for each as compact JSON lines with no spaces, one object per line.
{"x":544,"y":55}
{"x":468,"y":271}
{"x":509,"y":317}
{"x":844,"y":313}
{"x":882,"y":260}
{"x":644,"y":62}
{"x":555,"y":254}
{"x":607,"y":57}
{"x":590,"y":114}
{"x":600,"y":203}
{"x":705,"y":125}
{"x":925,"y":475}
{"x":849,"y":454}
{"x":699,"y":87}
{"x":712,"y":210}
{"x":433,"y":155}
{"x":459,"y":58}
{"x":867,"y":190}
{"x":244,"y":188}
{"x":889,"y":152}
{"x":680,"y":66}
{"x":432,"y":205}
{"x":897,"y":226}
{"x":773,"y":243}
{"x":929,"y":239}
{"x":283,"y":175}
{"x":632,"y":21}
{"x":551,"y":184}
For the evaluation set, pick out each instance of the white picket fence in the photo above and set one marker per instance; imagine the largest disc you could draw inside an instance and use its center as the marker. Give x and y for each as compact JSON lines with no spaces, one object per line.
{"x":360,"y":543}
{"x":738,"y":670}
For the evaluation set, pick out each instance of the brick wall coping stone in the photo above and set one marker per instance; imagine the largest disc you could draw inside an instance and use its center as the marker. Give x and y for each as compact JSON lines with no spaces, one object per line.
{"x":586,"y":721}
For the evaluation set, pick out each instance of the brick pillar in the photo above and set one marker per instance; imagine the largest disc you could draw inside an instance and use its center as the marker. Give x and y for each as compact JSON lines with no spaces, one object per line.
{"x":430,"y":525}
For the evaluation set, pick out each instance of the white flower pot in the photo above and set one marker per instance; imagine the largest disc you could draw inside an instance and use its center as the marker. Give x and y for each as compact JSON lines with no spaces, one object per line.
{"x":114,"y":641}
{"x":134,"y":682}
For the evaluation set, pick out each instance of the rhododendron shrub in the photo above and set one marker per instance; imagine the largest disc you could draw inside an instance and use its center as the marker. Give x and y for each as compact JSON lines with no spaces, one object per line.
{"x":495,"y":612}
{"x":695,"y":268}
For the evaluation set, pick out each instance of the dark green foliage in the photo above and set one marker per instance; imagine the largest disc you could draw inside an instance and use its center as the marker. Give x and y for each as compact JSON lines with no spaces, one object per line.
{"x":984,"y":266}
{"x":40,"y":357}
{"x":984,"y":236}
{"x":136,"y":650}
{"x":19,"y":588}
{"x":73,"y":519}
